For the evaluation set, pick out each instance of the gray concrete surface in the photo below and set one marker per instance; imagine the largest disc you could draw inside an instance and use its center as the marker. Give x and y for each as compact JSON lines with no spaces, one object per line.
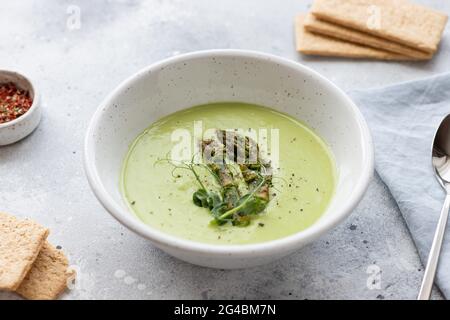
{"x":370,"y":256}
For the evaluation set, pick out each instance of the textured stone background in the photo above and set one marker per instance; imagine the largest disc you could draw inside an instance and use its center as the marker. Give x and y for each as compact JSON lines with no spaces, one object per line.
{"x":42,"y":177}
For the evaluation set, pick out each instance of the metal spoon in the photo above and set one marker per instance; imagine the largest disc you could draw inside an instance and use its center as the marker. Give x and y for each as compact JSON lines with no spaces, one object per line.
{"x":441,"y":165}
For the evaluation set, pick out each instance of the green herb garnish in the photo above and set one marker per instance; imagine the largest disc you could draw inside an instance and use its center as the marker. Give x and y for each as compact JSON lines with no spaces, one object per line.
{"x":225,"y":201}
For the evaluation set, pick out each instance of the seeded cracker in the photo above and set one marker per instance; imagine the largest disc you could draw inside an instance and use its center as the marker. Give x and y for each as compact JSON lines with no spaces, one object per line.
{"x":402,"y":22}
{"x":20,"y":243}
{"x":314,"y":44}
{"x":322,"y":27}
{"x":48,"y":277}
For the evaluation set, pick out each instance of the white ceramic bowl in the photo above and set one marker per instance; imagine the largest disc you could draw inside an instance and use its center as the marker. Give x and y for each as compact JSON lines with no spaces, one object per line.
{"x":228,"y":75}
{"x":21,"y":127}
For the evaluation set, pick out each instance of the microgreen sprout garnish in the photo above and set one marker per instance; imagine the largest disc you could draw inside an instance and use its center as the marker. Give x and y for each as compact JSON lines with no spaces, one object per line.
{"x":221,"y":193}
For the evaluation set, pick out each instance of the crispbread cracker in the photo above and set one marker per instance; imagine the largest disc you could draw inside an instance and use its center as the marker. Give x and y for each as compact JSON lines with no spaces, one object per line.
{"x":20,"y":243}
{"x":336,"y":31}
{"x":314,"y":44}
{"x":48,"y":277}
{"x":403,"y":22}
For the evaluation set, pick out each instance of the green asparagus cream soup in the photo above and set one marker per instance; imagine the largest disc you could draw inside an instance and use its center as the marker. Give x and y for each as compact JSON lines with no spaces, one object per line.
{"x":228,"y":173}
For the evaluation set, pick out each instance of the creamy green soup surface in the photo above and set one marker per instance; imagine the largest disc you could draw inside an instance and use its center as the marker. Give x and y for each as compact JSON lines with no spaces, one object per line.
{"x":161,"y":197}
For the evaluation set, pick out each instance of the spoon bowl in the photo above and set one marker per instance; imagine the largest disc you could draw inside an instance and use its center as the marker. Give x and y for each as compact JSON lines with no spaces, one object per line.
{"x":441,"y":152}
{"x":440,"y":160}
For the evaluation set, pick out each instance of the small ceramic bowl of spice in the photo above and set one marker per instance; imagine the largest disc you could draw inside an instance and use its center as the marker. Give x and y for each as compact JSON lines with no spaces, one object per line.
{"x":20,"y":110}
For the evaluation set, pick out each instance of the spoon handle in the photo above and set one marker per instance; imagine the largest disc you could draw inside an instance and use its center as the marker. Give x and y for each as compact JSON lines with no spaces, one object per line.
{"x":433,"y":257}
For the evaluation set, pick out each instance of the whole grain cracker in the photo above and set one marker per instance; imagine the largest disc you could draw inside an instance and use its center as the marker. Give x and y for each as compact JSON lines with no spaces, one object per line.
{"x":326,"y":28}
{"x":20,"y":243}
{"x":48,"y":277}
{"x":314,"y":44}
{"x":403,"y":22}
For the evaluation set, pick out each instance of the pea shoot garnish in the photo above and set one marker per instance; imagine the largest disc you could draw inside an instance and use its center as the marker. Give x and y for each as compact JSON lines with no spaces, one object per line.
{"x":236,"y":187}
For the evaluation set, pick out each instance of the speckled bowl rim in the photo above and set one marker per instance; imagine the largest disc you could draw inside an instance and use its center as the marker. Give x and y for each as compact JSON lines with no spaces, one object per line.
{"x":289,"y":243}
{"x":34,"y":105}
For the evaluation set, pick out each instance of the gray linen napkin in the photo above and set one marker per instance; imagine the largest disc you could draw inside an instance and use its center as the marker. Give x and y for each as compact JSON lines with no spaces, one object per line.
{"x":403,"y":119}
